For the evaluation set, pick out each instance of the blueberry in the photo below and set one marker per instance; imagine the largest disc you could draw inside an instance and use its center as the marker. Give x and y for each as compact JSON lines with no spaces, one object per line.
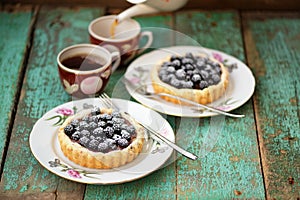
{"x":123,"y":143}
{"x":95,"y":111}
{"x":98,"y":131}
{"x":109,"y":132}
{"x":84,"y":141}
{"x":69,"y":130}
{"x":125,"y":135}
{"x":196,"y":78}
{"x":75,"y":136}
{"x":93,"y":144}
{"x":171,"y":70}
{"x":102,"y":147}
{"x":180,"y":73}
{"x":203,"y":84}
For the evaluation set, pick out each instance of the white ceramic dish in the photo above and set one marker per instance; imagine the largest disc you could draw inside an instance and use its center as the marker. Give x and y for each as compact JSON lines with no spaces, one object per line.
{"x":240,"y":89}
{"x":46,"y":149}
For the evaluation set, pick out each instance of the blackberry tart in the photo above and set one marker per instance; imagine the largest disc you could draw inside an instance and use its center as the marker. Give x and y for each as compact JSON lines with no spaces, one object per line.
{"x":101,"y":138}
{"x":195,"y":77}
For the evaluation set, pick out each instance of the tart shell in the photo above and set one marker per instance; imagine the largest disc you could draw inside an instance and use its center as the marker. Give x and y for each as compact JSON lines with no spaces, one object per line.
{"x":87,"y":158}
{"x":204,"y":96}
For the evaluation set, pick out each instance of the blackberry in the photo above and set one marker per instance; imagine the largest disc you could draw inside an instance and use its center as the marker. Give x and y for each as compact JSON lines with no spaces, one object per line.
{"x":216,"y":78}
{"x":203,"y":85}
{"x":83,"y":125}
{"x":196,"y":78}
{"x":131,"y":129}
{"x":84,"y":141}
{"x":186,"y":61}
{"x":171,"y":69}
{"x":174,"y":82}
{"x":75,"y":136}
{"x":95,"y":111}
{"x":116,"y":137}
{"x":188,"y":84}
{"x":85,"y":133}
{"x":69,"y":130}
{"x":102,"y":147}
{"x":117,"y":128}
{"x":75,"y":122}
{"x":109,"y":123}
{"x":93,"y":119}
{"x":165,"y":78}
{"x":112,"y":144}
{"x":98,"y":131}
{"x":176,"y":63}
{"x":93,"y":144}
{"x":125,"y":135}
{"x":109,"y":132}
{"x":116,"y":114}
{"x":85,"y":118}
{"x":93,"y":125}
{"x":118,"y":120}
{"x":162,"y":72}
{"x":204,"y":74}
{"x":180,"y":73}
{"x":189,"y":67}
{"x":102,"y":124}
{"x":123,"y":143}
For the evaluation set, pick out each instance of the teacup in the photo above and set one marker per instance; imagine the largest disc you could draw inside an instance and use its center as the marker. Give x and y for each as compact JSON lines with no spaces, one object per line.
{"x":124,"y":36}
{"x":85,"y":69}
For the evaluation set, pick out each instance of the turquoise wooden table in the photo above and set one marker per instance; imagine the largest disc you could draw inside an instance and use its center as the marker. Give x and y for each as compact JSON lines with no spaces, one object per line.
{"x":256,"y":157}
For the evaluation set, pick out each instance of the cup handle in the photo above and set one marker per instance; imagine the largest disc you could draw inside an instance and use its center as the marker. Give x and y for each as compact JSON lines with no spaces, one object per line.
{"x":116,"y":59}
{"x":149,"y":35}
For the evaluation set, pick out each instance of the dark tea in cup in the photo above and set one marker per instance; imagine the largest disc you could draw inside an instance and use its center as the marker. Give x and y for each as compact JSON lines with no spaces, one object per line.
{"x":85,"y":69}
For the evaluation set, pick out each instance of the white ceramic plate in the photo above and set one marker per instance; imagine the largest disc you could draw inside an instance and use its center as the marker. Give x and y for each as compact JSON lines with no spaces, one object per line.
{"x":45,"y":146}
{"x":240,"y":89}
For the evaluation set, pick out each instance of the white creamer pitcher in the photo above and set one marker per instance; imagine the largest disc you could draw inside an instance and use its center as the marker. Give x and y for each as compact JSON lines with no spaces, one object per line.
{"x":143,"y":7}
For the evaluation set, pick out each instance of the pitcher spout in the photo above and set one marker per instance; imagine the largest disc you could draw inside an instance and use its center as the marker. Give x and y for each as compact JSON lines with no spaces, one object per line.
{"x":138,"y":9}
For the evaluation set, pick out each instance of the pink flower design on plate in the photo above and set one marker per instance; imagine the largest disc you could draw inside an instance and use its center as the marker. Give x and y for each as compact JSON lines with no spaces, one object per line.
{"x":65,"y":111}
{"x":218,"y":57}
{"x":134,"y":80}
{"x":73,"y":173}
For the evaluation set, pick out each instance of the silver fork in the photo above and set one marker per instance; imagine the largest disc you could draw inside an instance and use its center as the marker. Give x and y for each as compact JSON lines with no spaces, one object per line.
{"x":106,"y":100}
{"x":143,"y":90}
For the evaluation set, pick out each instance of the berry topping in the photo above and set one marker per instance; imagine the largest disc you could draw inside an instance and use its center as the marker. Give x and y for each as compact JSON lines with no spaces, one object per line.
{"x":69,"y":130}
{"x":180,"y":70}
{"x":101,"y":132}
{"x":123,"y":143}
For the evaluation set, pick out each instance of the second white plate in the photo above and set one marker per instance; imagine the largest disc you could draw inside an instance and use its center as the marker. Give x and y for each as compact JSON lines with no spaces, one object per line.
{"x":240,"y":89}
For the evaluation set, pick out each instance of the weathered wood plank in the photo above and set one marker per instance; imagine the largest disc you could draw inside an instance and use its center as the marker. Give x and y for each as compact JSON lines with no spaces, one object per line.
{"x":272,"y":41}
{"x":15,"y":26}
{"x":229,"y":166}
{"x":23,"y":175}
{"x":163,"y":181}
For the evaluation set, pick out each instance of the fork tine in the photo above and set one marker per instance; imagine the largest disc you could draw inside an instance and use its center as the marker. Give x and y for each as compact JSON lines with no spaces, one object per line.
{"x":106,"y":100}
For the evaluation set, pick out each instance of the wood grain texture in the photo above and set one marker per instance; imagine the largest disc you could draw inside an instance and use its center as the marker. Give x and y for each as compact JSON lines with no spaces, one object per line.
{"x":229,"y":165}
{"x":15,"y":26}
{"x":23,"y":176}
{"x":273,"y":49}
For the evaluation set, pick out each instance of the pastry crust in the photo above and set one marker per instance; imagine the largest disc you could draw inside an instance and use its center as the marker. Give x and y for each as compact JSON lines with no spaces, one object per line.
{"x":204,"y":96}
{"x":86,"y":158}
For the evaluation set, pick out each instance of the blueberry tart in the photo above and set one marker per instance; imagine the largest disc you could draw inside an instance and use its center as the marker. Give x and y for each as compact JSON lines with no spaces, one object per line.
{"x":195,"y":77}
{"x":101,"y":138}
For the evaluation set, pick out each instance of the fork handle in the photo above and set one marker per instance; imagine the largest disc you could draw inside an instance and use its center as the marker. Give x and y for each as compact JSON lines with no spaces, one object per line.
{"x":200,"y":105}
{"x":171,"y":144}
